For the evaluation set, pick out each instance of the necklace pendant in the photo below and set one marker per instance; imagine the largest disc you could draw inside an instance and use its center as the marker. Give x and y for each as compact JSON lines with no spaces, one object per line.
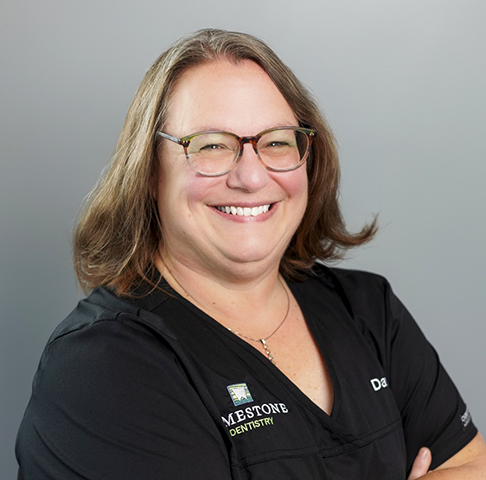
{"x":267,"y":350}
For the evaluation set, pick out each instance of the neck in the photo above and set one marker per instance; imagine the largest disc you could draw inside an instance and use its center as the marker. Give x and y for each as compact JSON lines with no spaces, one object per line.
{"x":252,"y":306}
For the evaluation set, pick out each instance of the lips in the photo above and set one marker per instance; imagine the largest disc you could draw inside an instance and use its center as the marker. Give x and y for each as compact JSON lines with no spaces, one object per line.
{"x":244,"y":211}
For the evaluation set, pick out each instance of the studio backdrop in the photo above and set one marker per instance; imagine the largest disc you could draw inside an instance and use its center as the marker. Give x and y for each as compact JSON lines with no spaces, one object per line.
{"x":402,"y":84}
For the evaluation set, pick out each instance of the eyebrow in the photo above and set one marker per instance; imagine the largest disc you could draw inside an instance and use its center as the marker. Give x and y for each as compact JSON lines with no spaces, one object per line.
{"x":202,"y":129}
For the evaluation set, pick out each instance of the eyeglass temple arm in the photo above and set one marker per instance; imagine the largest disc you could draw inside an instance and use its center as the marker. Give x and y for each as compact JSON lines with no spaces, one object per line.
{"x":169,"y":137}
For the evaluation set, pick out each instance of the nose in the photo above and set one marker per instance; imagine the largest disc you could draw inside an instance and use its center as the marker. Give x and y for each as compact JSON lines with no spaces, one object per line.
{"x":249,"y":174}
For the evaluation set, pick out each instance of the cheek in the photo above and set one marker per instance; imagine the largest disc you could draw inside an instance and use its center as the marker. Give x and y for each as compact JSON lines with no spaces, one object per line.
{"x":180,"y":189}
{"x":174,"y":177}
{"x":295,"y":185}
{"x":197,"y":188}
{"x":297,"y":189}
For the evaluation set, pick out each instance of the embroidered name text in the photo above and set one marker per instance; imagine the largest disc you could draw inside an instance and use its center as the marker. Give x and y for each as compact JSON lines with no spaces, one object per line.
{"x":245,"y":427}
{"x":248,"y":413}
{"x":379,"y":383}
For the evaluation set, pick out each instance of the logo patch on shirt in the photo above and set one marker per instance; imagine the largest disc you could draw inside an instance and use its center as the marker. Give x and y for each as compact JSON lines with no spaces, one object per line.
{"x":239,"y":393}
{"x":466,"y":418}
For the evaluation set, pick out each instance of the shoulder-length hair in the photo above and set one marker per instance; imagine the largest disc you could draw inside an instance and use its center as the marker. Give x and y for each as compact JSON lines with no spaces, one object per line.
{"x":118,"y":232}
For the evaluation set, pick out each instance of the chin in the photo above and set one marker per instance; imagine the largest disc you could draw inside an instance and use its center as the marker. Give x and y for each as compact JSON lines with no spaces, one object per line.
{"x":254,"y":256}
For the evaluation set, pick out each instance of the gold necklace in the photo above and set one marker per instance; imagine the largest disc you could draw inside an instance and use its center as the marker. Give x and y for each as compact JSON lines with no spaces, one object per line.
{"x":263,"y":341}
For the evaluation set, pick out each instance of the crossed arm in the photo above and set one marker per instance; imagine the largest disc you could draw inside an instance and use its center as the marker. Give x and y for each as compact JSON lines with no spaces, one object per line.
{"x":468,"y":463}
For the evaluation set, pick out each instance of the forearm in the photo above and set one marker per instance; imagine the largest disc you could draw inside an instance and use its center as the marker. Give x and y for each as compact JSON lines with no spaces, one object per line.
{"x":465,"y":472}
{"x":467,"y":464}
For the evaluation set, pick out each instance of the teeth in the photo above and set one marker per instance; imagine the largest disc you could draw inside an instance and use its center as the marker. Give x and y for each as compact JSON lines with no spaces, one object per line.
{"x":245,"y":211}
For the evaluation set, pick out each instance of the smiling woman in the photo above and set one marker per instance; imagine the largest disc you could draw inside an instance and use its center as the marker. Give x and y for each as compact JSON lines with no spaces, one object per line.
{"x":213,"y":344}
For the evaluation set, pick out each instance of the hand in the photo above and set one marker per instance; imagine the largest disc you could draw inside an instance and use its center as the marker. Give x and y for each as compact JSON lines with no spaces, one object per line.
{"x":421,"y":464}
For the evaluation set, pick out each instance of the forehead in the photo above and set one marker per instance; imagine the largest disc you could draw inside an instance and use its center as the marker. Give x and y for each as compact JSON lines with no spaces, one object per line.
{"x":225,"y":96}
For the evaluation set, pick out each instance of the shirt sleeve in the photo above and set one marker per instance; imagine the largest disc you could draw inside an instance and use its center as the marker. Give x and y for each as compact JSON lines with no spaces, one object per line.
{"x":433,"y":412}
{"x":112,"y":402}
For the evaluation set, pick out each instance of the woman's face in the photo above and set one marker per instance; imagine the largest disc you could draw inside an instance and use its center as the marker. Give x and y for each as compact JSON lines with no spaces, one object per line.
{"x":243,"y":100}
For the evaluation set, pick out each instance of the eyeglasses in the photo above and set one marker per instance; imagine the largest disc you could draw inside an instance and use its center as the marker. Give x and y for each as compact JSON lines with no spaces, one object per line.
{"x":212,"y":154}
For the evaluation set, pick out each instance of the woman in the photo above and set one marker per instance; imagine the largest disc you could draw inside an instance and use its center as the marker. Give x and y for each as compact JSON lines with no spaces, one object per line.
{"x":213,"y":345}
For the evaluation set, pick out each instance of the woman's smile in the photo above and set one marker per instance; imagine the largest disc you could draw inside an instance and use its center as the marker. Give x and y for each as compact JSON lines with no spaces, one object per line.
{"x":245,"y":211}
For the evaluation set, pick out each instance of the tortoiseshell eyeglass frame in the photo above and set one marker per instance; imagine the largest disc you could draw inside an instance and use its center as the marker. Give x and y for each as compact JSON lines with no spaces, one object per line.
{"x":185,"y":141}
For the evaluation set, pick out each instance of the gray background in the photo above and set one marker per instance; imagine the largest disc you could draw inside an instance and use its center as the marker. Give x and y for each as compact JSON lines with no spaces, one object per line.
{"x":402,"y":83}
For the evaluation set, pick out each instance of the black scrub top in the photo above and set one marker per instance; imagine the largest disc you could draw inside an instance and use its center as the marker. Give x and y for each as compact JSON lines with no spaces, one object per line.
{"x":154,"y":388}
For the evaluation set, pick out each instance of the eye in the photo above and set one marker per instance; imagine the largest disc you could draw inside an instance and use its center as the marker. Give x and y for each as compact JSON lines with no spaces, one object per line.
{"x":276,"y":143}
{"x":214,"y":146}
{"x":213,"y":143}
{"x":275,"y":147}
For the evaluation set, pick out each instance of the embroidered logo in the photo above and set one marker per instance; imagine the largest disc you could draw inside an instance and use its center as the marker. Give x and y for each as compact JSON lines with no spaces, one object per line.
{"x":239,"y":394}
{"x":466,"y":418}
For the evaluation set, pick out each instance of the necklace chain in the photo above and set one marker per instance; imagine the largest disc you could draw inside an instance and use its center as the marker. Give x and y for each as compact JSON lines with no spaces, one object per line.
{"x":262,"y":340}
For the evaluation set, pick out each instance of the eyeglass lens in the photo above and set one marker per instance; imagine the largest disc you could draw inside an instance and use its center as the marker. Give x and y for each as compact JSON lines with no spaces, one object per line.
{"x":213,"y":153}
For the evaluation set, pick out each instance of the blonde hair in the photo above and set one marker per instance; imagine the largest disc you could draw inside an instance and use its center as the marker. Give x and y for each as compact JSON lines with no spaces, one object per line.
{"x":118,"y":232}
